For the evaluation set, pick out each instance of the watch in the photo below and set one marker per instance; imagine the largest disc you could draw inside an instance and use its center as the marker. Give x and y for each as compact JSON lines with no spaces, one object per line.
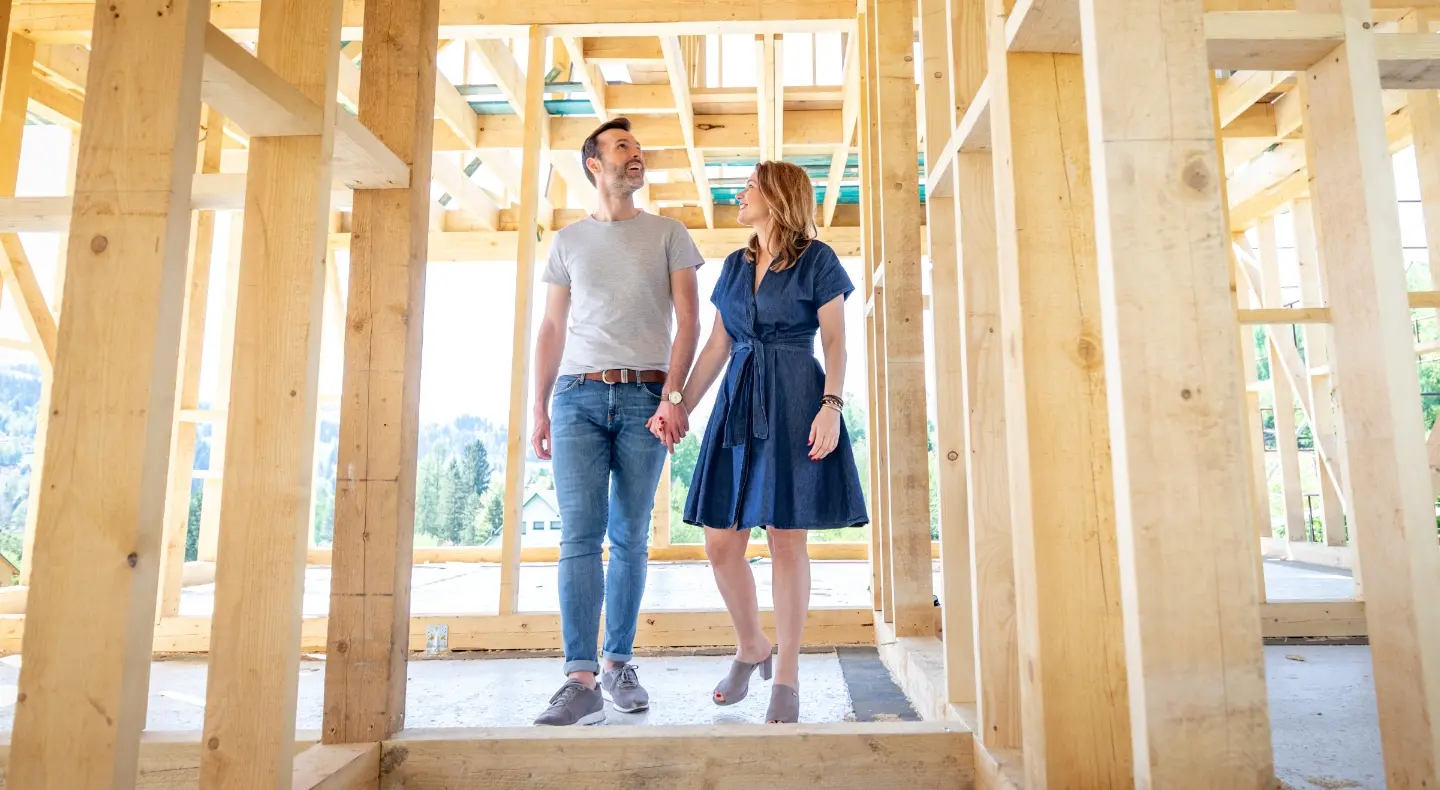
{"x":675,"y":397}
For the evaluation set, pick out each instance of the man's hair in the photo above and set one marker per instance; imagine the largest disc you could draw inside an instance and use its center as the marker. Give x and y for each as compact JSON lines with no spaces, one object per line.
{"x":591,"y":147}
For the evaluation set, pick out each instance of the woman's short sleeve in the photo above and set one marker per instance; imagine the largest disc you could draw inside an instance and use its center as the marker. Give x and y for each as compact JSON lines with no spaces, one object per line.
{"x":831,"y":279}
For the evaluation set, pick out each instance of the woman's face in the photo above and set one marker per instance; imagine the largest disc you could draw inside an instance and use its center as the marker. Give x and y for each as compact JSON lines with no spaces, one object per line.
{"x":752,"y":204}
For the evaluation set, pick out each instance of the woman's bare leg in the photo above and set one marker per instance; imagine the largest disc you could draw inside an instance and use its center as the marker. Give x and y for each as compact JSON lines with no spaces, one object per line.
{"x":791,"y":583}
{"x":726,"y":550}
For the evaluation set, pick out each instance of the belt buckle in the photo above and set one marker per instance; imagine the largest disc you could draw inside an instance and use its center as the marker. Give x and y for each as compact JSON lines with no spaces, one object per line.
{"x":624,"y":377}
{"x":605,"y":377}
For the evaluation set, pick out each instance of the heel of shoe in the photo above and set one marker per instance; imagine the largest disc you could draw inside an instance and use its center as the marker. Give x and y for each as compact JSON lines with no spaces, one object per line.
{"x":766,"y":668}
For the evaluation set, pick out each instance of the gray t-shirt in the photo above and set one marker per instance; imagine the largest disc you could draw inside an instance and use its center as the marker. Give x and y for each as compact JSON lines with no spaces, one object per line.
{"x":619,"y":278}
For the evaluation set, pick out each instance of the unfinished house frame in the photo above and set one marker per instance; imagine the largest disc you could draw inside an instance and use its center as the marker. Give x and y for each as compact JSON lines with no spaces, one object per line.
{"x":1095,"y":202}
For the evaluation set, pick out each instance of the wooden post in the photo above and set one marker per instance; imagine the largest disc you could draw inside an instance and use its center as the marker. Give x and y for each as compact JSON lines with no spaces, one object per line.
{"x":1357,"y":227}
{"x":1169,"y":339}
{"x":369,"y":626}
{"x":519,"y":435}
{"x":249,"y":730}
{"x":1283,"y":392}
{"x":1074,"y":714}
{"x":874,"y":366}
{"x":946,"y":316}
{"x":213,"y":488}
{"x":907,"y":462}
{"x":1317,"y":375}
{"x":997,"y":662}
{"x":187,"y":390}
{"x":80,"y":708}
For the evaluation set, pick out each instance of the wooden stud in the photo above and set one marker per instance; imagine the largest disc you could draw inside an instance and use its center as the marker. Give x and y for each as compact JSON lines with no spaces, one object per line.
{"x":1373,"y":361}
{"x":1074,"y":715}
{"x":997,"y":662}
{"x":1282,"y":391}
{"x":1317,"y":353}
{"x":380,"y":397}
{"x":187,"y":390}
{"x":946,"y":316}
{"x":868,"y":261}
{"x":269,"y":452}
{"x":519,"y":434}
{"x":1157,"y":193}
{"x":907,"y":465}
{"x":80,"y":706}
{"x":208,"y":543}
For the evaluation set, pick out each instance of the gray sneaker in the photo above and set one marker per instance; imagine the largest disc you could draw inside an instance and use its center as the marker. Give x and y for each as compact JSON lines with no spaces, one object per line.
{"x":574,"y":704}
{"x":626,"y":693}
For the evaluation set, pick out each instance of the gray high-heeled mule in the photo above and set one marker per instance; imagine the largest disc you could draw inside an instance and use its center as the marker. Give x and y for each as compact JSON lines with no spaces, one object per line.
{"x":784,"y":705}
{"x":740,"y":672}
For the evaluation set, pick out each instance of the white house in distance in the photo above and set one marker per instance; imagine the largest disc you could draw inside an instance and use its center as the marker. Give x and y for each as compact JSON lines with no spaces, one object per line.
{"x":540,"y":523}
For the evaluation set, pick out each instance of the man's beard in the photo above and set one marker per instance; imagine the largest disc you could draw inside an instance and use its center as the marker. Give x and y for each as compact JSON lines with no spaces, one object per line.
{"x":623,"y":183}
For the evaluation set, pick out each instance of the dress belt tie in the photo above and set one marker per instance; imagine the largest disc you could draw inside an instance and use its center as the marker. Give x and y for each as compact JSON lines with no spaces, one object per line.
{"x":747,"y":402}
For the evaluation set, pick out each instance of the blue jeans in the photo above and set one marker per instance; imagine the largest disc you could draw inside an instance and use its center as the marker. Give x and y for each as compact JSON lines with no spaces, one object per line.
{"x":606,"y":465}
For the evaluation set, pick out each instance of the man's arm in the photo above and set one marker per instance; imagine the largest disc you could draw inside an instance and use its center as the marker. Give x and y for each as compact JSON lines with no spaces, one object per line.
{"x":549,"y":347}
{"x":685,"y":290}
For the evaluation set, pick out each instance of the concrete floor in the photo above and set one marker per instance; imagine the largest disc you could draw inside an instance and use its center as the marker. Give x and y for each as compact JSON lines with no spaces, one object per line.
{"x":466,"y":588}
{"x":1322,"y":701}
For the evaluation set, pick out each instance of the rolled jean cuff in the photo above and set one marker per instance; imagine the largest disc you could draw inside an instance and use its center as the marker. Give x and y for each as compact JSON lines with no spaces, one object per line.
{"x":582,"y":666}
{"x":616,"y":657}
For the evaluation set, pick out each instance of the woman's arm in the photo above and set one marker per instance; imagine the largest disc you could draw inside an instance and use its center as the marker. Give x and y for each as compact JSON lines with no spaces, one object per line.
{"x":825,"y":430}
{"x":832,"y":341}
{"x":708,"y":366}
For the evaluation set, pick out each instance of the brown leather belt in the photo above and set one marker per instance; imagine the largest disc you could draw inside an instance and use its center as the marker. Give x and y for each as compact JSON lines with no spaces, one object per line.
{"x":623,"y":376}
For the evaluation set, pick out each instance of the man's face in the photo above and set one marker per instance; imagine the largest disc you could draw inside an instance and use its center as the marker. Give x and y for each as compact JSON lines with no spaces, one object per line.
{"x":622,"y":164}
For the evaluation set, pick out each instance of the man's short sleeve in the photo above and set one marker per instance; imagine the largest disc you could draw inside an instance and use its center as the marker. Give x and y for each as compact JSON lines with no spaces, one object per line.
{"x":681,"y":250}
{"x":556,"y":272}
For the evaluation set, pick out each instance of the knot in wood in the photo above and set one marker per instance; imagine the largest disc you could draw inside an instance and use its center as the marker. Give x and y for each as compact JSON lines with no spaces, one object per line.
{"x":1196,"y":175}
{"x":343,"y":646}
{"x":98,"y":244}
{"x":132,"y":559}
{"x":213,"y":743}
{"x":952,"y":455}
{"x":1087,"y":351}
{"x":1185,"y":394}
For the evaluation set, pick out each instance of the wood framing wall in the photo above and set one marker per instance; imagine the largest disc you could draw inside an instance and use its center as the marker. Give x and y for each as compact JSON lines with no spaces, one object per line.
{"x":1098,"y":260}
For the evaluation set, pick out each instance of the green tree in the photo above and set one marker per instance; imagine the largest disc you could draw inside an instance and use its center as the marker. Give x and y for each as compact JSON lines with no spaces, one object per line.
{"x":427,"y":496}
{"x":457,"y":507}
{"x":475,"y":463}
{"x":192,"y":524}
{"x":495,"y":514}
{"x":682,"y":463}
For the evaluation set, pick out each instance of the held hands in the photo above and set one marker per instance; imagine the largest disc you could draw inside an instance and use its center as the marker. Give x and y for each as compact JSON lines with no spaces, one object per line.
{"x":669,"y":424}
{"x":824,"y":432}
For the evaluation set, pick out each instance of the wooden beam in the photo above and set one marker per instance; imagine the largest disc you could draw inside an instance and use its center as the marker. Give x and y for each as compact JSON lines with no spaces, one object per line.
{"x":1283,"y":393}
{"x":250,"y":693}
{"x":380,"y":392}
{"x":466,"y":193}
{"x":347,"y":766}
{"x":952,"y":458}
{"x":849,"y":116}
{"x":1358,"y":232}
{"x":680,"y":84}
{"x":15,"y":266}
{"x":907,"y":464}
{"x":588,"y":75}
{"x":516,"y":442}
{"x":250,"y":94}
{"x":1158,"y":192}
{"x":82,"y":692}
{"x":187,"y":389}
{"x":70,"y":22}
{"x":1075,"y":716}
{"x":842,"y":756}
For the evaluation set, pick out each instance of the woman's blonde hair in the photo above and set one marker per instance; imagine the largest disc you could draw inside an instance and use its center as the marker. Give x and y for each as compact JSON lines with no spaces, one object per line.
{"x":787,"y":189}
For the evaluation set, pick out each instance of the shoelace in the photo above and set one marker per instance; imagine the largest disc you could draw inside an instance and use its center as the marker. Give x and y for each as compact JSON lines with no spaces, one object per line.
{"x":566,"y":693}
{"x":627,"y":678}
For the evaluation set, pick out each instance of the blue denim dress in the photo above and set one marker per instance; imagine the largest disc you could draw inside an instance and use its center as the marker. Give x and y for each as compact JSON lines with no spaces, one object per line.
{"x":754,"y":468}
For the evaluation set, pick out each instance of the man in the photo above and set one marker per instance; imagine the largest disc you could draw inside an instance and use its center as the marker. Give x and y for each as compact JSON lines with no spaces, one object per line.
{"x":614,"y":275}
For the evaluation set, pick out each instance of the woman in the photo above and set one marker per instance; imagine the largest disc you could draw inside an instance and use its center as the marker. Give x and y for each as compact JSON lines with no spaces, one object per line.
{"x":775,"y":453}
